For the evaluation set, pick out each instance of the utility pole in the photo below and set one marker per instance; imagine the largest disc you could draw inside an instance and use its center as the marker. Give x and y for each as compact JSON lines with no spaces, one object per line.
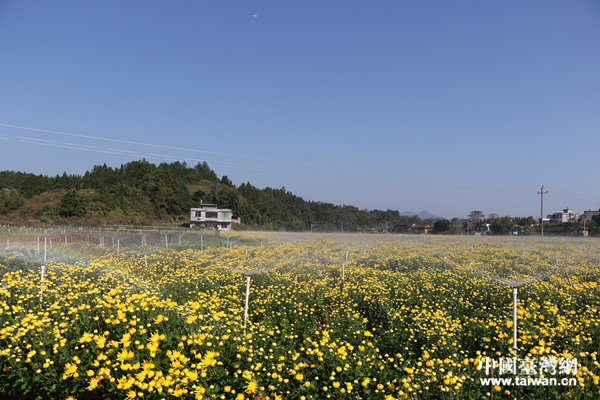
{"x":542,"y":211}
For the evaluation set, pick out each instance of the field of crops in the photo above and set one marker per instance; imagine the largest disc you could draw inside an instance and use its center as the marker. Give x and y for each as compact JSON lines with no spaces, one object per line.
{"x":329,"y":317}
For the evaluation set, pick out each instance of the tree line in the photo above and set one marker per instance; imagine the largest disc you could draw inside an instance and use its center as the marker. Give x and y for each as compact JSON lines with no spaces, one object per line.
{"x":143,"y":193}
{"x":508,"y":225}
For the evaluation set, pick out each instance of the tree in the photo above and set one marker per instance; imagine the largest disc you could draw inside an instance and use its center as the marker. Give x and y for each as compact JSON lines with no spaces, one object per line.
{"x":10,"y":200}
{"x":168,"y":196}
{"x":475,"y":216}
{"x":502,"y":225}
{"x":134,"y":171}
{"x":226,"y":181}
{"x":594,"y":225}
{"x":524,"y":221}
{"x":73,"y":204}
{"x":198,"y":197}
{"x":524,"y":230}
{"x":441,"y":226}
{"x":227,"y":198}
{"x":204,"y":172}
{"x":32,"y":185}
{"x":455,"y":226}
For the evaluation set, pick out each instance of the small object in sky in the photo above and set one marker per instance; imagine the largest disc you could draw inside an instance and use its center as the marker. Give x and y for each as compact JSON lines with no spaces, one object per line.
{"x":255,"y":15}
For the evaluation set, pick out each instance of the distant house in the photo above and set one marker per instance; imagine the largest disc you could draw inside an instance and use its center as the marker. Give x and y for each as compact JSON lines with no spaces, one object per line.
{"x":402,"y":228}
{"x":587,"y":215}
{"x":421,"y":229}
{"x":209,"y":216}
{"x":484,"y":228}
{"x":413,"y":229}
{"x":567,"y":215}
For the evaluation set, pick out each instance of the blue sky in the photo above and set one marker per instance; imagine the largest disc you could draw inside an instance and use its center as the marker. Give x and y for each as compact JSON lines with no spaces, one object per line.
{"x":445,"y":106}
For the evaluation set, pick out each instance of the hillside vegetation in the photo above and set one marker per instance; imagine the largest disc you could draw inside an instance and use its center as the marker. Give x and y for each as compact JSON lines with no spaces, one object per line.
{"x":141,"y":193}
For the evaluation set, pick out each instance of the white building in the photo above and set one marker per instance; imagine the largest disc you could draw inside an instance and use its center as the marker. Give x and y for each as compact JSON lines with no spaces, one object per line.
{"x":567,"y":215}
{"x":484,"y":228}
{"x":208,"y":216}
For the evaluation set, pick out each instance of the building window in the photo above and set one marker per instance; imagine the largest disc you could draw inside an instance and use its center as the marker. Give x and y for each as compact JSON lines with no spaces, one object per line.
{"x":211,"y":214}
{"x":224,"y":215}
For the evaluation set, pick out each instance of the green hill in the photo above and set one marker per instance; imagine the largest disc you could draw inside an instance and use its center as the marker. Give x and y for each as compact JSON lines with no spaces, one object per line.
{"x":141,"y":193}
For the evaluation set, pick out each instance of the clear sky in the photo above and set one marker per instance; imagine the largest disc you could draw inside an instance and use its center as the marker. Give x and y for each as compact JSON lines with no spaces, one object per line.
{"x":444,"y":106}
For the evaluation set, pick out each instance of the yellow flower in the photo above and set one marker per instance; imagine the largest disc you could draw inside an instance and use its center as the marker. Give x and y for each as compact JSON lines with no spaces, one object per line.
{"x":154,"y":338}
{"x":93,"y":384}
{"x":70,"y":371}
{"x":252,"y":386}
{"x":100,"y":341}
{"x":87,"y":337}
{"x":125,"y":355}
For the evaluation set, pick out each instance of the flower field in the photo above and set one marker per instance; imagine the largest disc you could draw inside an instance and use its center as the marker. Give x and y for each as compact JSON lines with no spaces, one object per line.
{"x":329,"y":317}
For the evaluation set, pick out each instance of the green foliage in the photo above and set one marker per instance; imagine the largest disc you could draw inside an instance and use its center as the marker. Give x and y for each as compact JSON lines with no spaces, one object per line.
{"x":141,"y":191}
{"x":10,"y":200}
{"x":203,"y":171}
{"x":524,"y":230}
{"x":169,"y":196}
{"x":502,"y":225}
{"x":476,"y":216}
{"x":135,"y":171}
{"x":226,"y":181}
{"x":73,"y":204}
{"x":441,"y":226}
{"x":524,"y":221}
{"x":594,"y":225}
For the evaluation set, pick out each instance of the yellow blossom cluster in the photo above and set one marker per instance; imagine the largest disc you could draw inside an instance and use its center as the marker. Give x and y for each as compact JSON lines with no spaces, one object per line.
{"x":329,"y":317}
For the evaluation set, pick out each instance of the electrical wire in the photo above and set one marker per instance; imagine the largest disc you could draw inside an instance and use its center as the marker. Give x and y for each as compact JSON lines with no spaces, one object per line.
{"x":320,"y":166}
{"x":73,"y":146}
{"x":465,"y":184}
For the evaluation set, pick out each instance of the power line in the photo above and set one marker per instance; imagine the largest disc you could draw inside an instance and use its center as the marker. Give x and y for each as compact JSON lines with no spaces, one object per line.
{"x":571,"y":198}
{"x":144,"y":144}
{"x":597,"y":199}
{"x":261,"y":159}
{"x":73,"y":146}
{"x":464,"y":183}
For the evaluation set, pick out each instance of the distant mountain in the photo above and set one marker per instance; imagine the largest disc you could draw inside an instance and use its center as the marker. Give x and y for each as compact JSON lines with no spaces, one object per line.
{"x":423,"y":214}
